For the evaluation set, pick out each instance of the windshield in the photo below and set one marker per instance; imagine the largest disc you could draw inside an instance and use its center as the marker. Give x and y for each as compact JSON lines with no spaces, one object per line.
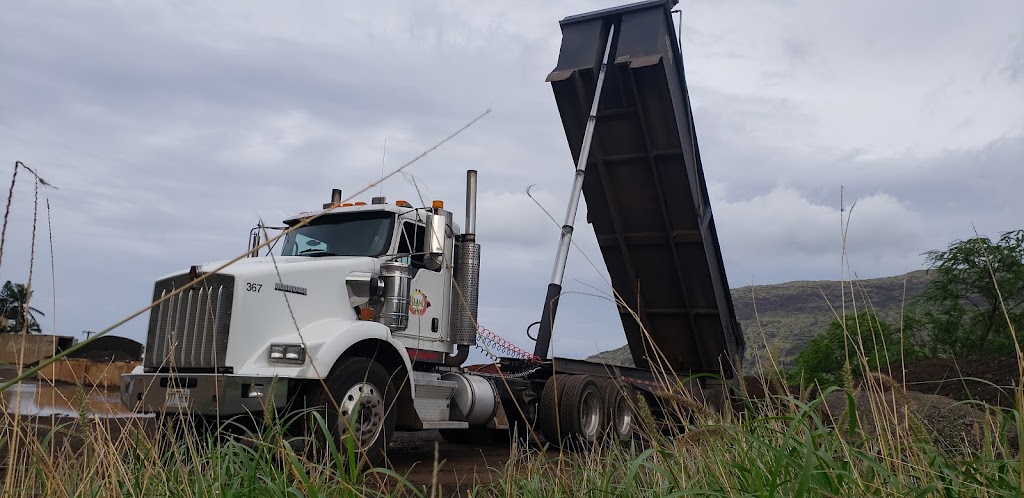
{"x":355,"y":234}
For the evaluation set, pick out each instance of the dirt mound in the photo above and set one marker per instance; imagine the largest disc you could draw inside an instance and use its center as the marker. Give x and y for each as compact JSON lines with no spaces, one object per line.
{"x":987,"y":379}
{"x":950,"y":424}
{"x":109,"y":349}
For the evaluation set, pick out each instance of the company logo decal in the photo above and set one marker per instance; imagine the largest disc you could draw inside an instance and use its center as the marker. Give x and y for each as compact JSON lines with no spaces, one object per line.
{"x":418,"y":303}
{"x":294,"y":289}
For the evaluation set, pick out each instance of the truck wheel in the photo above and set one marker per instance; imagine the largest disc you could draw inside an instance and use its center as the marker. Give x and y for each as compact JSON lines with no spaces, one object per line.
{"x":361,"y":415}
{"x":617,"y":402}
{"x":577,"y":416}
{"x":547,"y":412}
{"x":582,"y":410}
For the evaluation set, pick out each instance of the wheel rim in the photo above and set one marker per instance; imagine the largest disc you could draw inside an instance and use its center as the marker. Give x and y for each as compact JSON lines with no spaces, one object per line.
{"x":623,"y":417}
{"x":590,"y":413}
{"x":361,"y":413}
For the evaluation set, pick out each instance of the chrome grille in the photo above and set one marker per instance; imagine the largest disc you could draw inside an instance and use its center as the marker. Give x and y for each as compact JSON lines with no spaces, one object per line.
{"x":189,"y":331}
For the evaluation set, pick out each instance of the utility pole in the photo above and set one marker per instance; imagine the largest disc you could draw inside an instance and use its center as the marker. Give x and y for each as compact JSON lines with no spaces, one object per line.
{"x":87,"y":334}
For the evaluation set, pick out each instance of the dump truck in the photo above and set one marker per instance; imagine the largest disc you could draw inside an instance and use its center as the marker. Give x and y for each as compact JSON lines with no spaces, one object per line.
{"x":366,"y":312}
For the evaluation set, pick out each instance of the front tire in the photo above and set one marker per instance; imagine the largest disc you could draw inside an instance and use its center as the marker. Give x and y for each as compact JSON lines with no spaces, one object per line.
{"x":358,"y":406}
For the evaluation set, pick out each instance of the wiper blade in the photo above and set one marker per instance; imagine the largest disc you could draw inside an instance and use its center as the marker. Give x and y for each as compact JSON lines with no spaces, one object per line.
{"x":316,"y":253}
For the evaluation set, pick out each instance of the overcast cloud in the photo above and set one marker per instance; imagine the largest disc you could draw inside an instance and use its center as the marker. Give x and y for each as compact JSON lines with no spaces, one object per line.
{"x":171,"y":127}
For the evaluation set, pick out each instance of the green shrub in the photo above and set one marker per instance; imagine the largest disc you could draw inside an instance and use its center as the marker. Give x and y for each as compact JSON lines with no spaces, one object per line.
{"x":862,"y":338}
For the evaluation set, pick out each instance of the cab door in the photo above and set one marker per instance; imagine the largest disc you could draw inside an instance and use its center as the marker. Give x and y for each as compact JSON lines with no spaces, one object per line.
{"x":429,"y":293}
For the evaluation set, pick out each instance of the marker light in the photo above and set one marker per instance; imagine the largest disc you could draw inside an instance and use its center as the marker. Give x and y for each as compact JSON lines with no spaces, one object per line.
{"x":401,"y":203}
{"x":347,"y":204}
{"x":437,"y":204}
{"x":360,"y":203}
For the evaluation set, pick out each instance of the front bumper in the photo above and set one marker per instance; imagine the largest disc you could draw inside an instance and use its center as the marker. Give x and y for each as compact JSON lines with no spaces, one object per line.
{"x":202,"y":394}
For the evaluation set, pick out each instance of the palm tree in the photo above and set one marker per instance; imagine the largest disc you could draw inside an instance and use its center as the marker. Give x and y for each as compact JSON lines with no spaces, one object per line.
{"x":14,"y":308}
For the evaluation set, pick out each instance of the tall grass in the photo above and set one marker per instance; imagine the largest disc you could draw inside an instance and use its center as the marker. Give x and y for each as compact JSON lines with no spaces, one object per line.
{"x":147,"y":457}
{"x":869,"y":437}
{"x":777,"y":445}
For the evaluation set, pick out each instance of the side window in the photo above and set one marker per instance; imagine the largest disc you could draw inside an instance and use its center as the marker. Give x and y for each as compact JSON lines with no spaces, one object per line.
{"x":413,"y":241}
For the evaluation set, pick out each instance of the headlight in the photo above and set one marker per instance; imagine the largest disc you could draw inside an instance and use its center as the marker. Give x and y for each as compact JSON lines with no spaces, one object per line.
{"x":287,"y":353}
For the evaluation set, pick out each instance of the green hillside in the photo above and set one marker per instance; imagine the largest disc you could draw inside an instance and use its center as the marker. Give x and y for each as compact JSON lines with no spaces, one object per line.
{"x":782,"y":318}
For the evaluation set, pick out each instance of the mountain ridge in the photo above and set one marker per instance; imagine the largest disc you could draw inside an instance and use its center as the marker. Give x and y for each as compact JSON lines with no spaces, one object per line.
{"x":783,"y":318}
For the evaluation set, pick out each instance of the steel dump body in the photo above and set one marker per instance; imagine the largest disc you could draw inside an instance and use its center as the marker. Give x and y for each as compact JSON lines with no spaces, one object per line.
{"x":645,"y":190}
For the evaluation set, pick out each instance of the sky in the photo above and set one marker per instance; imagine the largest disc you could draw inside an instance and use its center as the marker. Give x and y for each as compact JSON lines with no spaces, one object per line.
{"x":170,"y":128}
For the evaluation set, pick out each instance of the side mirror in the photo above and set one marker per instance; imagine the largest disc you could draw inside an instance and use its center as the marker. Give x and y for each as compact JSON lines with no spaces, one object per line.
{"x":434,"y":242}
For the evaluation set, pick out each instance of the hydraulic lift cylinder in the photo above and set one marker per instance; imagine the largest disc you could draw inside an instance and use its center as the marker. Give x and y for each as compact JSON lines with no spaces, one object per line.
{"x":547,"y":319}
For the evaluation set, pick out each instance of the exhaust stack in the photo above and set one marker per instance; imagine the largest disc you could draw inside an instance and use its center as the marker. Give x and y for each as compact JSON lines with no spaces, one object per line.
{"x":467,"y":273}
{"x":335,"y":198}
{"x":469,"y":233}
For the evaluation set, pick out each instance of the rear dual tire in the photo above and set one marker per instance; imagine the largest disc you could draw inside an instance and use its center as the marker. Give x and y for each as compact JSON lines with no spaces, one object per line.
{"x":579,"y":410}
{"x":572,"y":411}
{"x":618,"y":405}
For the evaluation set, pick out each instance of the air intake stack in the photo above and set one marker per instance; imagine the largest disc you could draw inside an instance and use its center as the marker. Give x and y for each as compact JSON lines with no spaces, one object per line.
{"x":335,"y":199}
{"x":467,"y":273}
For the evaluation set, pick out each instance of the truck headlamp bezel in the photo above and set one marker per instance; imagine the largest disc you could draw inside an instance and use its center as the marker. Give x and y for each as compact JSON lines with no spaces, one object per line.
{"x":294,"y":354}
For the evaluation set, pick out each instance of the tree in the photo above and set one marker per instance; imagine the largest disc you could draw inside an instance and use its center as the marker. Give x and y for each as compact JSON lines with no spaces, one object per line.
{"x":978,"y":284}
{"x":14,"y":299}
{"x":863,"y":340}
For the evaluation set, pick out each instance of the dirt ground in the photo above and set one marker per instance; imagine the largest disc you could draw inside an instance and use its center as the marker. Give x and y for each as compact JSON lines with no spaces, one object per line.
{"x":460,"y":466}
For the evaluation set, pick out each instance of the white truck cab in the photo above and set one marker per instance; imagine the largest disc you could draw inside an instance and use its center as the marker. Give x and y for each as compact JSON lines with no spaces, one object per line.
{"x":379,"y":300}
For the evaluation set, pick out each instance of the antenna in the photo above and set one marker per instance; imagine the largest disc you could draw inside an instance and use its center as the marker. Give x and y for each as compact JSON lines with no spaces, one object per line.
{"x":382,"y":157}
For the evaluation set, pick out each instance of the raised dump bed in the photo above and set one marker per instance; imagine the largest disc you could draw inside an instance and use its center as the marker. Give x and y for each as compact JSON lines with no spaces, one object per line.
{"x":644,"y":187}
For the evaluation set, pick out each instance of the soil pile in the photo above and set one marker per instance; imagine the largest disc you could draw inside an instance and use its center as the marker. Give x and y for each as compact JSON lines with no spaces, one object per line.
{"x":950,"y":424}
{"x":108,"y":349}
{"x":988,"y":379}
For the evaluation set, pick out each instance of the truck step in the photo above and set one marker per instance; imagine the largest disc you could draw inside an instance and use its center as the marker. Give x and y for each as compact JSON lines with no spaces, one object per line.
{"x":434,"y":399}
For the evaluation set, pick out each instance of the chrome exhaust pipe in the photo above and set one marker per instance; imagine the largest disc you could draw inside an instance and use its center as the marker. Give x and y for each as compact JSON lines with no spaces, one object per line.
{"x":467,"y":273}
{"x":469,"y":232}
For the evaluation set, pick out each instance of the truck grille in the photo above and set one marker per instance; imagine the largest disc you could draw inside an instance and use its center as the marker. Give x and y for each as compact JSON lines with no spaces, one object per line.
{"x":190,"y":330}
